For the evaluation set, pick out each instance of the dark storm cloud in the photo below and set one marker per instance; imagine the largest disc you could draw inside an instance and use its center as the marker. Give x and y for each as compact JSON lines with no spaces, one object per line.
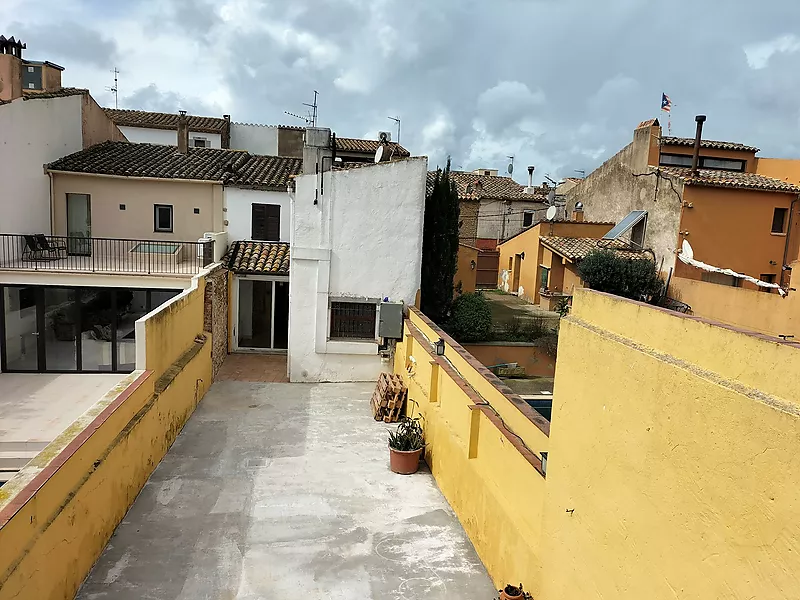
{"x":68,"y":41}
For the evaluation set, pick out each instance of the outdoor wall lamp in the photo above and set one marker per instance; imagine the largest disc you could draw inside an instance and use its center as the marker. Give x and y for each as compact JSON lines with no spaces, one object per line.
{"x":472,"y":265}
{"x":440,"y":347}
{"x":522,"y":256}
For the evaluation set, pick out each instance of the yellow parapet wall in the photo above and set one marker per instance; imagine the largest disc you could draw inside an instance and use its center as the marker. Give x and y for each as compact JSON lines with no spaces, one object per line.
{"x":58,"y":513}
{"x":674,"y":469}
{"x":484,"y":447}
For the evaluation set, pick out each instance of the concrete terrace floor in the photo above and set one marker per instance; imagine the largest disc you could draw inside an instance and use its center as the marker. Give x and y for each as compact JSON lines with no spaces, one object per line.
{"x":277,"y":490}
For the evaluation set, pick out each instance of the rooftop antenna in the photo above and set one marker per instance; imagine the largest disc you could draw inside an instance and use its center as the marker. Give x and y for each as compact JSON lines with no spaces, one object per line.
{"x":396,"y":120}
{"x":581,"y":171}
{"x":115,"y":88}
{"x":511,"y":165}
{"x":313,"y":108}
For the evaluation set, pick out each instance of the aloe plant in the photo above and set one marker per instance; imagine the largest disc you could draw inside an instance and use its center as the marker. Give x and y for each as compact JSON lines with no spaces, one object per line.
{"x":408,"y":436}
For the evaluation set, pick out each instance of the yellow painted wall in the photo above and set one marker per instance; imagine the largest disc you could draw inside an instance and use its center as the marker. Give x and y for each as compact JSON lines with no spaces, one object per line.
{"x":496,"y":493}
{"x":785,"y":169}
{"x":764,"y":312}
{"x":49,"y":542}
{"x":673,"y":469}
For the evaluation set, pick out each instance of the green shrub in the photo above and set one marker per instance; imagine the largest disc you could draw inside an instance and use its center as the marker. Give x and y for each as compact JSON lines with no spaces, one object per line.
{"x":607,"y":271}
{"x":471,"y":318}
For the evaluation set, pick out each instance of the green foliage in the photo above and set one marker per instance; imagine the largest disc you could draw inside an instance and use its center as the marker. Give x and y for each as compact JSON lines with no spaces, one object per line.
{"x":606,"y":271}
{"x":408,"y":435}
{"x":520,"y":330}
{"x":562,"y":306}
{"x":471,"y":318}
{"x":439,"y":246}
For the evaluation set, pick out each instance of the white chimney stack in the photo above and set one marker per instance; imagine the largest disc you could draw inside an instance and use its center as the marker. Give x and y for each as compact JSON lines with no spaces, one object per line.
{"x":530,"y":189}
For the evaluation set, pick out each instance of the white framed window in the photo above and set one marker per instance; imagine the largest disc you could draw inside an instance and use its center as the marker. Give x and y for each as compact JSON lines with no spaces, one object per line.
{"x":162,"y":218}
{"x":200,"y":142}
{"x":30,"y":69}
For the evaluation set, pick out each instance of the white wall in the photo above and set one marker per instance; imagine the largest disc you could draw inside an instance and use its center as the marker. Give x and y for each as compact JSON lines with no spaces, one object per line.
{"x":239,"y":214}
{"x":256,"y":139}
{"x":32,"y":133}
{"x":167,"y":137}
{"x":363,"y":239}
{"x":491,"y":217}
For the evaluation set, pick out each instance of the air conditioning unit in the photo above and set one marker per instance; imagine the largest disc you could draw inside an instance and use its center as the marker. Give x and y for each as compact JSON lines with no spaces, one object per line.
{"x":384,"y":136}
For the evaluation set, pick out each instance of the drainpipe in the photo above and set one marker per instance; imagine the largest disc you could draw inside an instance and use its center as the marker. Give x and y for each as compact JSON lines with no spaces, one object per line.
{"x":788,"y":238}
{"x":700,"y":119}
{"x":53,"y":208}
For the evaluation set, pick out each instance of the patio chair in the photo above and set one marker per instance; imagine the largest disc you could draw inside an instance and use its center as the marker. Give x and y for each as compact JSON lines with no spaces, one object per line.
{"x":53,"y":249}
{"x":31,"y":251}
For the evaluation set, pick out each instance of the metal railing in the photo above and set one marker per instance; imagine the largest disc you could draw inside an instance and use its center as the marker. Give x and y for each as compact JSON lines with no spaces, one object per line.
{"x":39,"y":252}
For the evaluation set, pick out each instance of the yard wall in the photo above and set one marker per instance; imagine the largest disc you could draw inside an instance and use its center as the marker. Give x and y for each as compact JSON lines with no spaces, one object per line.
{"x":673,"y":469}
{"x":59,"y":511}
{"x":532,"y":357}
{"x":483,"y":446}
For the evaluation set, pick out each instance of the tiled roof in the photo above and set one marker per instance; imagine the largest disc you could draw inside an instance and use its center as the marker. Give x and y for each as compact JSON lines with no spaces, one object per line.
{"x":258,"y":257}
{"x":156,"y":120}
{"x":60,"y":93}
{"x":231,"y":167}
{"x":678,"y":141}
{"x":576,"y":248}
{"x":731,"y":179}
{"x":472,"y":186}
{"x":648,"y":123}
{"x":368,"y":146}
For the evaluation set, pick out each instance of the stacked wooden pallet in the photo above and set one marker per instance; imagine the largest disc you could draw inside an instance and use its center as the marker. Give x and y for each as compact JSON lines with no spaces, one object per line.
{"x":389,"y":398}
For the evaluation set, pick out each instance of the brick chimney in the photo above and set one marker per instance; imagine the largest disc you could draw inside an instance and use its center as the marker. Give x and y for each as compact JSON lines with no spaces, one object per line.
{"x":183,"y":132}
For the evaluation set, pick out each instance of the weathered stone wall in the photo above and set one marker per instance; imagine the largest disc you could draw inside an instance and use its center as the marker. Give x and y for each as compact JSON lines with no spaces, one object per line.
{"x":468,"y":217}
{"x":215,"y":316}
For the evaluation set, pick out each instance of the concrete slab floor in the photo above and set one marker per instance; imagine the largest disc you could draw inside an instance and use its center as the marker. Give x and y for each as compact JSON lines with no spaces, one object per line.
{"x":277,"y":491}
{"x":36,"y":407}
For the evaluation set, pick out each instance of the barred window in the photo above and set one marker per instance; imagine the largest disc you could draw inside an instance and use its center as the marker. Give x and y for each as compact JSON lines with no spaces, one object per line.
{"x":353,"y":320}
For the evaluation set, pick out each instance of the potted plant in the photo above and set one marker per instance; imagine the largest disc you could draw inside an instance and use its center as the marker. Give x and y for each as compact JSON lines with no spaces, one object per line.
{"x":513,"y":592}
{"x":405,"y":446}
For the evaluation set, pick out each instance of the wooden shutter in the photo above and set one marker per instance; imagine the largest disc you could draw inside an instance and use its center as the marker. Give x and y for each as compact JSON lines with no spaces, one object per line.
{"x":266,"y":222}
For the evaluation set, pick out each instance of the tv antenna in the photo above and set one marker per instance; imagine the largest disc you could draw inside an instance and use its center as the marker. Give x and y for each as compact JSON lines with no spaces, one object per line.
{"x":115,"y":88}
{"x":311,"y":116}
{"x":396,"y":120}
{"x":511,"y":165}
{"x":581,"y":171}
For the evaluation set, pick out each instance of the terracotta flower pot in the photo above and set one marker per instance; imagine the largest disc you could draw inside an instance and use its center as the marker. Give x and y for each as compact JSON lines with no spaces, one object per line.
{"x":404,"y":462}
{"x":511,"y":592}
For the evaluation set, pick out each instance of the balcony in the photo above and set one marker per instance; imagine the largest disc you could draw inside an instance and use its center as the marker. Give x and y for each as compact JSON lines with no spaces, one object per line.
{"x":52,"y":253}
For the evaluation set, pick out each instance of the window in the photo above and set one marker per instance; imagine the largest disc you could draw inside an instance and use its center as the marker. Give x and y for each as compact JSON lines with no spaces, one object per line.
{"x":722,"y":164}
{"x":768,"y":278}
{"x":722,"y":279}
{"x":31,"y":86}
{"x":266,"y":222}
{"x":163,"y":218}
{"x":122,"y":207}
{"x":200,"y":142}
{"x":779,"y":220}
{"x":30,"y":69}
{"x":545,"y":277}
{"x":527,"y":218}
{"x":675,"y":160}
{"x":353,"y":320}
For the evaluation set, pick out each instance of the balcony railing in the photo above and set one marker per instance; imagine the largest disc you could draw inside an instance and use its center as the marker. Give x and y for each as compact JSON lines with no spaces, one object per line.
{"x":103,"y":255}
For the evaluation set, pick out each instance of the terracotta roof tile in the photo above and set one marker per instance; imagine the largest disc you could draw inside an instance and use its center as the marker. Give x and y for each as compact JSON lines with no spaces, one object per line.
{"x":156,"y":120}
{"x":472,"y":186}
{"x":258,"y":257}
{"x":679,"y":141}
{"x":60,"y":93}
{"x":231,"y":167}
{"x":577,"y":248}
{"x":731,"y":179}
{"x":368,"y":146}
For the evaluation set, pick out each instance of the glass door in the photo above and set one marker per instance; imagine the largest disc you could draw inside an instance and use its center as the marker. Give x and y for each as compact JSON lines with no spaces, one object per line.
{"x":79,"y":224}
{"x":61,"y":325}
{"x":21,"y":328}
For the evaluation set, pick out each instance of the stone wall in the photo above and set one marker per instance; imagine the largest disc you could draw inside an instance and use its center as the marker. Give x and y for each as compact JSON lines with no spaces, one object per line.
{"x":215,"y":316}
{"x":468,"y":219}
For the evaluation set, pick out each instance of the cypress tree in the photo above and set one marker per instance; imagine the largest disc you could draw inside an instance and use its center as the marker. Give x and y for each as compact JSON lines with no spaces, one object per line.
{"x":439,"y":246}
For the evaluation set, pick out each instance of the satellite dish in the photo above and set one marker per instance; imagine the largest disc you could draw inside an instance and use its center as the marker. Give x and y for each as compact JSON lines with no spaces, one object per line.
{"x":686,"y":250}
{"x":510,"y":168}
{"x":379,"y":154}
{"x":551,"y":213}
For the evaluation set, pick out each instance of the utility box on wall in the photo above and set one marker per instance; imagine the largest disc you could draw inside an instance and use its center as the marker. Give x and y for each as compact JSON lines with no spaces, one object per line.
{"x":391,"y":320}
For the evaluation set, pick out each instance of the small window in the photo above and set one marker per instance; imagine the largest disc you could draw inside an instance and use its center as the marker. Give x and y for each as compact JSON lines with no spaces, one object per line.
{"x":527,"y":218}
{"x":545,"y":277}
{"x":200,"y":142}
{"x":487,"y":172}
{"x":197,"y":211}
{"x":122,"y":207}
{"x":353,"y":320}
{"x":779,"y":220}
{"x":163,"y":218}
{"x":30,"y":69}
{"x":266,"y":222}
{"x":768,"y":278}
{"x":31,"y":86}
{"x":675,"y":160}
{"x":721,"y":279}
{"x":722,"y":164}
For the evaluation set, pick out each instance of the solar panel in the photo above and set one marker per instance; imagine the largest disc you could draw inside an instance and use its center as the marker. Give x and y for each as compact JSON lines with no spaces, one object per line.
{"x":632,"y":218}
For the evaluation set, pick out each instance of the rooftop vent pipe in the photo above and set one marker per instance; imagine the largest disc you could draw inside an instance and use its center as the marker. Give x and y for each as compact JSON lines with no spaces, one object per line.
{"x":700,"y":119}
{"x":530,"y":176}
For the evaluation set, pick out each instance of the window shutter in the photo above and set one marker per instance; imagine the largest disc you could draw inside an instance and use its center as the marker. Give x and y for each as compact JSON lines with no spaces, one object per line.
{"x":266,"y":222}
{"x":273,"y":222}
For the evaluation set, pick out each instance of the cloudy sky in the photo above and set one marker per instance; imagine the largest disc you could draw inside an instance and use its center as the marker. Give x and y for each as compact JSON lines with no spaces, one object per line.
{"x":557,"y":83}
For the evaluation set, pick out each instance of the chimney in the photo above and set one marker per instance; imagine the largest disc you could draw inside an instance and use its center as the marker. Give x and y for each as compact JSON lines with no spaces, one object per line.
{"x":577,"y":212}
{"x":530,"y":175}
{"x":183,"y":132}
{"x":697,"y":138}
{"x":226,"y":136}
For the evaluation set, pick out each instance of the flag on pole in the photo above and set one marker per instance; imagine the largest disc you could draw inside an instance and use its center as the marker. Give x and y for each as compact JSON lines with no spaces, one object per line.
{"x":666,"y":103}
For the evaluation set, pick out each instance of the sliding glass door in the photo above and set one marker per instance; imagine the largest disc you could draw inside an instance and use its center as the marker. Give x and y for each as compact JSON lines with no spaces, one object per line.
{"x":263,"y":322}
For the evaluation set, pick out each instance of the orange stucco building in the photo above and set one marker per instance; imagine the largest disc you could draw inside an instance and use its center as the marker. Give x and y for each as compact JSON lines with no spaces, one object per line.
{"x":737,"y":211}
